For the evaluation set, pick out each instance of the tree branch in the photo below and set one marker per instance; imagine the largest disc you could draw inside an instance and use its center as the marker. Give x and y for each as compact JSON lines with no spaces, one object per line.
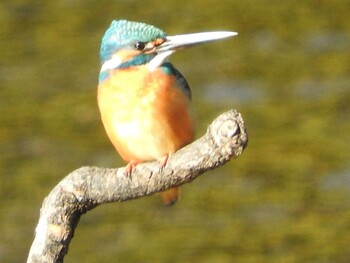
{"x":88,"y":187}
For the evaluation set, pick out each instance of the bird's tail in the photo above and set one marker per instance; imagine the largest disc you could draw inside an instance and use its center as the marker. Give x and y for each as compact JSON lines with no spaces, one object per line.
{"x":170,"y":196}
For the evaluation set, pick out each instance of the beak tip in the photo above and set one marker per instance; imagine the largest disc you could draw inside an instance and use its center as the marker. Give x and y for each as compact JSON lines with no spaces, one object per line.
{"x":230,"y":33}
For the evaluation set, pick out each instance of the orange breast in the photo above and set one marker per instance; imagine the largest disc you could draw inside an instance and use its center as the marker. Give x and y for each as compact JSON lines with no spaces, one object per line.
{"x":145,"y":114}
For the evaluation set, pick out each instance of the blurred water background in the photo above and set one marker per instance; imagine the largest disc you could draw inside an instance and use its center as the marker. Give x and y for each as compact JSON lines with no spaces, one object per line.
{"x":286,"y":199}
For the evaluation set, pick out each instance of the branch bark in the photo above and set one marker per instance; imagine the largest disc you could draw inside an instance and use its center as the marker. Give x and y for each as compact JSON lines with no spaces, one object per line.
{"x":88,"y":187}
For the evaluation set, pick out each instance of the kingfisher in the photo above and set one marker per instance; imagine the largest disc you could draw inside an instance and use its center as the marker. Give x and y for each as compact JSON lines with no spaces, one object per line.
{"x":143,"y":99}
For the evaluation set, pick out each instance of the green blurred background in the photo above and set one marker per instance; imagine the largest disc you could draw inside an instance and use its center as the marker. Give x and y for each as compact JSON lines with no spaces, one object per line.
{"x":286,"y":199}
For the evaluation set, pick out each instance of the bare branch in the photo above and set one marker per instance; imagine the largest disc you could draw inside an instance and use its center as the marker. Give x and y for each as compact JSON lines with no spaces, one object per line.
{"x":88,"y":187}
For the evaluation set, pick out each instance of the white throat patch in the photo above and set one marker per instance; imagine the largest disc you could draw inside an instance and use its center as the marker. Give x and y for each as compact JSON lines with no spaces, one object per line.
{"x":159,"y":59}
{"x":111,"y":64}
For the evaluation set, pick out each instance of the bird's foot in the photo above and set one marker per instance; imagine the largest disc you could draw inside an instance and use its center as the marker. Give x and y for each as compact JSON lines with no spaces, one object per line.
{"x":164,"y":162}
{"x":128,"y":169}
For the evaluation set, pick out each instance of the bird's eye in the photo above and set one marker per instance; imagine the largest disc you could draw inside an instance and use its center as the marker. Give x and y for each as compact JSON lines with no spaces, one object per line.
{"x":139,"y":45}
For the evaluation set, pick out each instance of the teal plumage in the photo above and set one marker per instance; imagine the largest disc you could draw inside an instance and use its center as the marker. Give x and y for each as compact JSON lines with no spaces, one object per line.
{"x":123,"y":34}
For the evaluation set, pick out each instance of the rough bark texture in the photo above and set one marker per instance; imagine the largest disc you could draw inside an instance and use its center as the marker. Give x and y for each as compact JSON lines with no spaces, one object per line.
{"x":88,"y":187}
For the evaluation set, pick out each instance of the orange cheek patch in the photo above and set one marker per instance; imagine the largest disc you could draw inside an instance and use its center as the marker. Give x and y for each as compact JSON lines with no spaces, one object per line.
{"x":159,"y":41}
{"x":151,"y":46}
{"x":126,"y":55}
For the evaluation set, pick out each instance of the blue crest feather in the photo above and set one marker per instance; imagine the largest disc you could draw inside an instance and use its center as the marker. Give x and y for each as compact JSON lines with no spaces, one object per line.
{"x":123,"y":33}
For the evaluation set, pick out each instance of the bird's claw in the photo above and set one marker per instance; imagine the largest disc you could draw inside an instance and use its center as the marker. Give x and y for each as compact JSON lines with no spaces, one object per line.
{"x":128,"y":169}
{"x":164,"y":162}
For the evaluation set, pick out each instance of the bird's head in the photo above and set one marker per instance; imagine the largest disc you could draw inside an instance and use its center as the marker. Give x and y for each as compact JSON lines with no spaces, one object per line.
{"x":126,"y":44}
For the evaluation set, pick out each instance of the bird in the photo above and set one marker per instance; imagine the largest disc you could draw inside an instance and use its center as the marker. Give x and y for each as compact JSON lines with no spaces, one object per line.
{"x":144,"y":101}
